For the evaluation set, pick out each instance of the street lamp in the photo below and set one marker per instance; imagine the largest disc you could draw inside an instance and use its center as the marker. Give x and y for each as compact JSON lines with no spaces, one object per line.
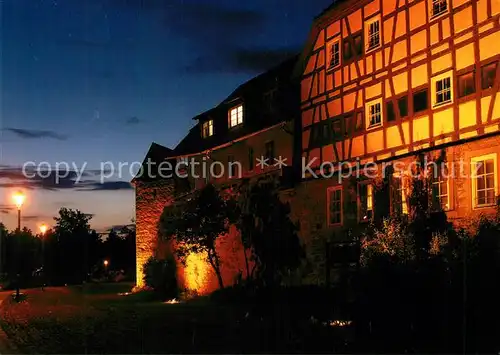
{"x":43,"y":230}
{"x":19,"y":198}
{"x":106,"y":263}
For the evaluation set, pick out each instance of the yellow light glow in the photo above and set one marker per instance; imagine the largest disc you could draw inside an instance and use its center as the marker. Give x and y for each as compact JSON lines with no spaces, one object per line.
{"x":106,"y":262}
{"x":43,"y":228}
{"x":196,"y":273}
{"x":19,"y":198}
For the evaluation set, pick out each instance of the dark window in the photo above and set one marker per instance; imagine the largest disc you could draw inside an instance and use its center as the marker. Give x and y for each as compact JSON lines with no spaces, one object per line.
{"x":335,"y":206}
{"x":391,"y":114}
{"x":350,"y":51}
{"x":439,"y":7}
{"x":270,"y":151}
{"x":420,"y":101}
{"x":250,"y":159}
{"x":334,"y":54}
{"x":466,"y":84}
{"x":337,"y":128}
{"x":488,"y":74}
{"x":374,"y":35}
{"x":353,"y":123}
{"x":403,"y":106}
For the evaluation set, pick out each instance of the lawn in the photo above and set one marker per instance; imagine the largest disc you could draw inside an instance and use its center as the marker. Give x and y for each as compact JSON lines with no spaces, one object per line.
{"x":96,"y":319}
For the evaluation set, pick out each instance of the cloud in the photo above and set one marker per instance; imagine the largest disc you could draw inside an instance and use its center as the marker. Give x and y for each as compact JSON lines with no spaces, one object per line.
{"x":58,"y":179}
{"x":6,"y":209}
{"x":107,"y":186}
{"x":36,"y":134}
{"x":132,"y":120}
{"x":237,"y":60}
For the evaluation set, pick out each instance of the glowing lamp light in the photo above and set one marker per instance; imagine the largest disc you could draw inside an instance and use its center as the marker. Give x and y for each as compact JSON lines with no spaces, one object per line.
{"x":43,"y":228}
{"x":19,"y":198}
{"x":106,"y":263}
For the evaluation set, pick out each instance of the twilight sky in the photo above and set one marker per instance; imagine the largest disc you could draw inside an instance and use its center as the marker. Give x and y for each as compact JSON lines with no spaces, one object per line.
{"x":84,"y":82}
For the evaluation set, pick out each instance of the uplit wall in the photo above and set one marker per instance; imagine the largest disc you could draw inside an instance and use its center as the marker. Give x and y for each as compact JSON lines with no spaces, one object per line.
{"x":151,"y":198}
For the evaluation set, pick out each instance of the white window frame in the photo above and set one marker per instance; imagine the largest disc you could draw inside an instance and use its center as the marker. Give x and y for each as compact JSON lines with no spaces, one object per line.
{"x":434,"y":81}
{"x":238,"y":115}
{"x":209,"y":125}
{"x":436,"y":180}
{"x":328,"y":192}
{"x":368,"y":114}
{"x":330,"y":45}
{"x":369,"y":200}
{"x":432,"y":15}
{"x":402,"y":191}
{"x":368,"y":35}
{"x":474,"y":160}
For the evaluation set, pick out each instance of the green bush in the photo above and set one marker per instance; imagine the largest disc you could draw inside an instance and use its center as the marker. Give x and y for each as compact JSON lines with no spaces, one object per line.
{"x":161,"y":276}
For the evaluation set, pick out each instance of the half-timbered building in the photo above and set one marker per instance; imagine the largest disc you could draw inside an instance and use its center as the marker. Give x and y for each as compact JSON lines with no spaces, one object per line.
{"x":385,"y":81}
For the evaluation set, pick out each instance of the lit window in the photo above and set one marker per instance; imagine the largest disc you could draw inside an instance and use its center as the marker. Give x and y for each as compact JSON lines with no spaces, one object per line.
{"x":466,"y":84}
{"x":374,"y":116}
{"x":400,"y":198}
{"x":373,"y":34}
{"x":484,"y":180}
{"x":207,"y":129}
{"x":439,"y":7}
{"x":334,"y":55}
{"x":334,"y":197}
{"x":236,"y":116}
{"x":365,"y":202}
{"x":440,"y":191}
{"x":488,"y":74}
{"x":442,"y":89}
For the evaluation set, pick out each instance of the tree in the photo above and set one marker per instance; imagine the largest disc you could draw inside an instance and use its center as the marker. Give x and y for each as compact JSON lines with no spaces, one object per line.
{"x":267,"y":229}
{"x":73,"y":247}
{"x":196,"y":224}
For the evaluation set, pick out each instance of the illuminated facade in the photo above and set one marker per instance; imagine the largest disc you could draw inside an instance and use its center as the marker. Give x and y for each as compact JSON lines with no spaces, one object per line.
{"x":381,"y":82}
{"x":257,"y":120}
{"x":386,"y":80}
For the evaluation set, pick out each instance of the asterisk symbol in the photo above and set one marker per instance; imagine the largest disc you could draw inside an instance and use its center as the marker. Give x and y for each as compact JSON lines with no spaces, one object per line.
{"x":280,"y":162}
{"x":262,"y":162}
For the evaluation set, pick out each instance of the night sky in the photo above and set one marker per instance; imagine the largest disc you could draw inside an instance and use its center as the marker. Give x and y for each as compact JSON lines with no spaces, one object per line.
{"x":91,"y":81}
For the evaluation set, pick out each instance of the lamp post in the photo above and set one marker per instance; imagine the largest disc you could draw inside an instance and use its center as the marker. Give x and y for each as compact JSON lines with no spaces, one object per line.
{"x":19,"y":198}
{"x":43,"y":230}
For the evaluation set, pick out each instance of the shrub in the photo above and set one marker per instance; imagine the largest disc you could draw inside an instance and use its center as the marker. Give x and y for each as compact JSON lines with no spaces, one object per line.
{"x":161,"y":276}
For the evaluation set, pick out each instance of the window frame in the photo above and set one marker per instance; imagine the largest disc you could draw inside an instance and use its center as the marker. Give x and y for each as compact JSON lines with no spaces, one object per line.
{"x":267,"y":144}
{"x":400,"y":194}
{"x":367,"y":35}
{"x":417,"y":92}
{"x":230,"y":115}
{"x":434,"y":91}
{"x":496,"y":63}
{"x":330,"y":190}
{"x":351,"y":40}
{"x":368,"y":114}
{"x":372,"y":195}
{"x":207,"y":125}
{"x":329,"y":54}
{"x":473,"y":161}
{"x":433,"y":15}
{"x":461,"y":96}
{"x":436,"y":180}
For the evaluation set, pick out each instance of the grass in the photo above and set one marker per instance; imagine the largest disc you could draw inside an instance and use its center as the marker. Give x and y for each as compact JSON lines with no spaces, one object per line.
{"x":95,"y":319}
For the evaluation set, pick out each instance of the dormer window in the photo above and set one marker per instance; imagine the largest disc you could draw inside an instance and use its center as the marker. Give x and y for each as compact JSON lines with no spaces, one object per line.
{"x":236,"y":116}
{"x":207,"y":128}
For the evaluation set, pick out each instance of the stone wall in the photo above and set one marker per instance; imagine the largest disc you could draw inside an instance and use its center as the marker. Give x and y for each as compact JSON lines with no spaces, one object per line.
{"x":150,"y":200}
